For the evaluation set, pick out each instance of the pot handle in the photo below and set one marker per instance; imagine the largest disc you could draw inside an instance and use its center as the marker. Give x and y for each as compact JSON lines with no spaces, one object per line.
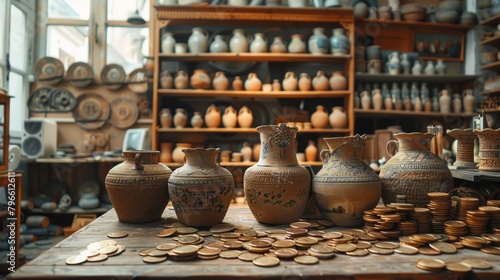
{"x":389,"y":147}
{"x":137,"y":163}
{"x":324,"y":155}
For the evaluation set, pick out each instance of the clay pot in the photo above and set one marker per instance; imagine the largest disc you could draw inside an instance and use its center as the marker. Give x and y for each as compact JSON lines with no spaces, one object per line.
{"x":88,"y":201}
{"x":177,"y":154}
{"x":220,"y":82}
{"x":440,"y":67}
{"x":278,"y":45}
{"x":277,"y":188}
{"x":290,"y":82}
{"x":319,"y":119}
{"x":196,"y":120}
{"x":246,"y":152}
{"x":166,"y":152}
{"x":166,"y":80}
{"x":447,"y":16}
{"x":138,"y":188}
{"x":374,"y":66}
{"x":304,"y":82}
{"x":256,"y":152}
{"x":311,"y":151}
{"x":444,"y":101}
{"x":365,"y":100}
{"x":212,"y":116}
{"x":318,"y":42}
{"x":468,"y":101}
{"x":465,"y":147}
{"x":201,"y":190}
{"x":320,"y":81}
{"x":253,"y":83}
{"x":218,"y":45}
{"x":388,"y":103}
{"x":296,"y":44}
{"x":181,"y":80}
{"x":245,"y":117}
{"x":229,"y":118}
{"x":345,"y":186}
{"x":198,"y":40}
{"x":259,"y":44}
{"x":337,"y":81}
{"x":339,"y":42}
{"x":489,"y":149}
{"x":238,"y":42}
{"x":457,"y":103}
{"x":200,"y":79}
{"x":165,"y":118}
{"x":180,"y":118}
{"x":360,"y":10}
{"x":237,"y":83}
{"x":338,"y":117}
{"x":377,"y":99}
{"x":276,"y":85}
{"x":403,"y":175}
{"x":168,"y":43}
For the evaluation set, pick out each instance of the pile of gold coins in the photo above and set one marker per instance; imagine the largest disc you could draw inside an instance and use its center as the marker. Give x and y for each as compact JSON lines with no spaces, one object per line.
{"x":464,"y":265}
{"x":100,"y":250}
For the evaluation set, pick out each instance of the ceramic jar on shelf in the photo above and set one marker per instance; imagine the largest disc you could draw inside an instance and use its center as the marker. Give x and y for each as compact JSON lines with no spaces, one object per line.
{"x":218,"y":45}
{"x":318,"y":42}
{"x":304,"y":82}
{"x":181,"y":80}
{"x":166,"y":152}
{"x":177,"y":154}
{"x":258,"y":44}
{"x":489,"y":149}
{"x":166,"y":80}
{"x":297,"y":45}
{"x":245,"y":117}
{"x":197,"y":120}
{"x":180,"y":118}
{"x":237,"y":83}
{"x":200,"y":79}
{"x":468,"y":101}
{"x":311,"y":151}
{"x":339,"y":42}
{"x":444,"y":101}
{"x":165,"y":118}
{"x":338,"y":117}
{"x":220,"y":81}
{"x":319,"y":119}
{"x":198,"y":40}
{"x":320,"y":81}
{"x":212,"y":116}
{"x":167,"y":43}
{"x":238,"y":42}
{"x":337,"y":81}
{"x":278,"y":45}
{"x":290,"y":81}
{"x":230,"y":117}
{"x":253,"y":83}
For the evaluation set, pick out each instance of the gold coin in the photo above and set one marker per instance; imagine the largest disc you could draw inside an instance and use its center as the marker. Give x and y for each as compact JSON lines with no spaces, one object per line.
{"x":306,"y":241}
{"x":150,"y":259}
{"x":386,"y":245}
{"x":97,"y":245}
{"x":157,"y":253}
{"x":423,"y":237}
{"x":406,"y":250}
{"x":475,"y":239}
{"x":166,"y":232}
{"x":286,"y":243}
{"x":233,"y":244}
{"x":320,"y":255}
{"x":492,"y":237}
{"x":166,"y":246}
{"x":362,"y":245}
{"x":322,"y":249}
{"x":332,"y":235}
{"x":189,"y":239}
{"x":358,"y":253}
{"x":177,"y":225}
{"x":276,"y":231}
{"x":245,"y":238}
{"x":477,"y":263}
{"x":186,"y":230}
{"x":306,"y":259}
{"x":204,"y":233}
{"x":443,"y":247}
{"x":97,"y":258}
{"x":215,"y":244}
{"x":89,"y":253}
{"x":186,"y":250}
{"x":117,"y":234}
{"x":380,"y":251}
{"x":260,"y":243}
{"x":346,"y":247}
{"x":286,"y":253}
{"x":248,"y":256}
{"x":428,"y":251}
{"x":431,"y":264}
{"x":76,"y":259}
{"x":266,"y":261}
{"x":120,"y":250}
{"x":220,"y":228}
{"x":208,"y":252}
{"x":491,"y":250}
{"x":304,"y":225}
{"x":230,"y":235}
{"x":145,"y":252}
{"x":324,"y":223}
{"x":108,"y":249}
{"x":229,"y":254}
{"x":458,"y":267}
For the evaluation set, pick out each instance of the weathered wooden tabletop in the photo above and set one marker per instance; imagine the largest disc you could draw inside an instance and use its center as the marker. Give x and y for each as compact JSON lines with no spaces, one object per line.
{"x":129,"y":265}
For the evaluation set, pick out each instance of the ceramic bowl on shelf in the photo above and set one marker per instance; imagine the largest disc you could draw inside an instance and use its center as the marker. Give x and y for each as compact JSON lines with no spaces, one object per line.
{"x":451,"y":5}
{"x":447,"y":16}
{"x":413,"y":12}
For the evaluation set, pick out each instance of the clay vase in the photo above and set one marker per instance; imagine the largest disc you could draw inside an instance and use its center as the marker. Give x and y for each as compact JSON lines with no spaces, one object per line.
{"x":180,"y":118}
{"x":319,"y":119}
{"x":165,"y":118}
{"x":339,"y":42}
{"x":365,"y":100}
{"x":345,"y":186}
{"x":166,"y":152}
{"x":168,"y":43}
{"x":417,"y":68}
{"x":138,"y":187}
{"x":296,"y":44}
{"x":465,"y":147}
{"x":197,"y":120}
{"x":246,"y":152}
{"x":457,"y":103}
{"x":377,"y":99}
{"x":388,"y":103}
{"x":338,"y":117}
{"x":256,"y":152}
{"x":200,"y":79}
{"x":320,"y":81}
{"x":311,"y":151}
{"x":218,"y":45}
{"x":276,"y":85}
{"x":181,"y":80}
{"x":212,"y":116}
{"x":468,"y":101}
{"x":259,"y":44}
{"x":393,"y":63}
{"x":440,"y":67}
{"x":253,"y":83}
{"x":278,"y":45}
{"x":177,"y":154}
{"x":201,"y":190}
{"x":489,"y":149}
{"x":413,"y":170}
{"x":198,"y":40}
{"x":166,"y":80}
{"x":304,"y":82}
{"x":237,"y":83}
{"x":238,"y":42}
{"x":277,"y":188}
{"x":338,"y":81}
{"x":318,"y":42}
{"x":444,"y":101}
{"x":229,"y":118}
{"x":245,"y":117}
{"x":220,"y":82}
{"x":290,"y":82}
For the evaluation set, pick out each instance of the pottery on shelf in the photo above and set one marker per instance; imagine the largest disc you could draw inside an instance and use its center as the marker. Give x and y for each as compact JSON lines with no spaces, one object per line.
{"x":245,"y":117}
{"x":457,"y":103}
{"x":319,"y":119}
{"x":230,"y":117}
{"x":276,"y":86}
{"x":177,"y":154}
{"x":138,"y":187}
{"x":181,"y":80}
{"x":489,"y":149}
{"x":218,"y":45}
{"x":338,"y":117}
{"x":212,"y":116}
{"x":377,"y":99}
{"x":311,"y":151}
{"x":320,"y":81}
{"x":278,"y":45}
{"x":200,"y":79}
{"x":440,"y":67}
{"x":197,"y":120}
{"x":166,"y":152}
{"x":166,"y":80}
{"x":180,"y":118}
{"x":168,"y":43}
{"x":246,"y":152}
{"x":237,"y":83}
{"x":465,"y":147}
{"x":393,"y":63}
{"x":259,"y":43}
{"x":238,"y":42}
{"x":345,"y":186}
{"x":318,"y":42}
{"x":304,"y":82}
{"x":468,"y":101}
{"x":339,"y":42}
{"x":165,"y":118}
{"x":297,"y":45}
{"x":277,"y":188}
{"x":337,"y":81}
{"x":198,"y":40}
{"x":444,"y":101}
{"x":220,"y":81}
{"x":290,"y":81}
{"x":366,"y":100}
{"x":201,"y":190}
{"x":253,"y":83}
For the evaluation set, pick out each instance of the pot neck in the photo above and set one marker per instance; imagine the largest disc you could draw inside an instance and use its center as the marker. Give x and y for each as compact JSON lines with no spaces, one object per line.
{"x":201,"y":156}
{"x":414,"y":141}
{"x":278,"y":145}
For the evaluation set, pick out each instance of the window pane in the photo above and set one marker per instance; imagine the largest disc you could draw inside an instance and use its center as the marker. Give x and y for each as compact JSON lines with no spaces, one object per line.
{"x":127,"y":46}
{"x":121,"y":10}
{"x":17,"y":104}
{"x":75,"y":9}
{"x":68,"y":43}
{"x":18,"y":41}
{"x":3,"y":24}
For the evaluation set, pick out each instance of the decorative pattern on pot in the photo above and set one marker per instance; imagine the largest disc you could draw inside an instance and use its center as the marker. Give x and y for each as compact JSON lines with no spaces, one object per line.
{"x":339,"y":42}
{"x":277,"y":188}
{"x":201,"y":190}
{"x":318,"y":42}
{"x":414,"y":170}
{"x":200,"y":79}
{"x":345,"y":186}
{"x":489,"y":149}
{"x":138,"y":188}
{"x":465,"y":147}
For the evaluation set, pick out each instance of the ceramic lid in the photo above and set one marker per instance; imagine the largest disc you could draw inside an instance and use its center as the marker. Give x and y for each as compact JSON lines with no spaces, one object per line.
{"x":113,"y":76}
{"x":91,"y":111}
{"x":49,"y":70}
{"x":124,"y":113}
{"x":80,"y":74}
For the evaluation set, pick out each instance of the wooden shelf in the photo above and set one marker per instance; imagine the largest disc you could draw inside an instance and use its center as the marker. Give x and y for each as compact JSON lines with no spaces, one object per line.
{"x":252,"y":94}
{"x":245,"y":130}
{"x":491,"y":110}
{"x":491,"y":21}
{"x":491,"y":66}
{"x":73,"y":210}
{"x":243,"y":164}
{"x":403,"y":113}
{"x":475,"y":175}
{"x":488,"y":92}
{"x":268,"y":57}
{"x":416,"y":24}
{"x":447,"y":78}
{"x":491,"y":41}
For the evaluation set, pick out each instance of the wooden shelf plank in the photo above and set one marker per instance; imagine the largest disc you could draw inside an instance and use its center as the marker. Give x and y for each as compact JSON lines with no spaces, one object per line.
{"x":475,"y":175}
{"x":245,"y":130}
{"x":252,"y":94}
{"x":491,"y":41}
{"x":73,"y":210}
{"x":394,"y":113}
{"x":491,"y":66}
{"x":491,"y":110}
{"x":416,"y":25}
{"x":488,"y":92}
{"x":447,"y":78}
{"x":491,"y":21}
{"x":270,"y":57}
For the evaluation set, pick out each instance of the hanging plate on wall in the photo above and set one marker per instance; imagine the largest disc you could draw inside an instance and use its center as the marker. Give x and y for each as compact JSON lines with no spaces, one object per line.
{"x":124,"y":113}
{"x":113,"y":76}
{"x":39,"y":100}
{"x":80,"y":74}
{"x":138,"y":81}
{"x":49,"y":70}
{"x":91,"y":111}
{"x":62,"y":100}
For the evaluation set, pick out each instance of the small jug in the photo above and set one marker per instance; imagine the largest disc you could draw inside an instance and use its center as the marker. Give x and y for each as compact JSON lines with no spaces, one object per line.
{"x":290,"y":82}
{"x":259,"y":44}
{"x":278,"y":45}
{"x":253,"y":83}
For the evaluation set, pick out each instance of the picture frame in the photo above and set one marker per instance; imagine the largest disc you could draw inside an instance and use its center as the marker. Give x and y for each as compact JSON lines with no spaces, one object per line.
{"x":433,"y":46}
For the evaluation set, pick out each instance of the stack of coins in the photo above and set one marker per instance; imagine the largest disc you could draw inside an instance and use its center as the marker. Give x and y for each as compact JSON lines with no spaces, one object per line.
{"x":465,"y":204}
{"x":494,"y":214}
{"x":439,"y":206}
{"x":184,"y":252}
{"x":423,"y":218}
{"x":408,"y":227}
{"x":477,"y":222}
{"x":455,"y":228}
{"x":99,"y":251}
{"x":259,"y":246}
{"x":431,"y":264}
{"x":371,"y":219}
{"x":402,"y":209}
{"x":474,"y":242}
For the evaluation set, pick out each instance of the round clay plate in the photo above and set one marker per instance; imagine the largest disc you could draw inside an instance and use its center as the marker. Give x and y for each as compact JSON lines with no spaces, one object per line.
{"x":49,"y":70}
{"x":124,"y":113}
{"x":91,"y":111}
{"x":137,"y":81}
{"x":39,"y":100}
{"x":113,"y":76}
{"x":62,"y":100}
{"x":80,"y":74}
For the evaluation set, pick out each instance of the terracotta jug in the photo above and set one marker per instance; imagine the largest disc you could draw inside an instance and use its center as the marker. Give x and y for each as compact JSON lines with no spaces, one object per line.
{"x":212,"y":116}
{"x":177,"y":154}
{"x":238,"y":42}
{"x":246,"y":152}
{"x":338,"y":81}
{"x":200,"y":79}
{"x":311,"y":151}
{"x":198,"y":40}
{"x":444,"y":101}
{"x":290,"y":82}
{"x":256,"y":151}
{"x":276,"y":85}
{"x":388,"y":103}
{"x":140,"y":173}
{"x":181,"y":80}
{"x":413,"y":170}
{"x":237,"y":83}
{"x":180,"y":118}
{"x":278,"y":45}
{"x":218,"y":45}
{"x":166,"y":152}
{"x":277,"y":188}
{"x":468,"y":101}
{"x":230,"y":117}
{"x":166,"y":118}
{"x":319,"y":119}
{"x":377,"y":99}
{"x":245,"y":117}
{"x":457,"y":103}
{"x":166,"y":80}
{"x":201,"y":190}
{"x":220,"y":82}
{"x":320,"y":81}
{"x":297,"y":45}
{"x":338,"y":117}
{"x":345,"y":186}
{"x":259,"y":44}
{"x":304,"y":83}
{"x":197,"y":120}
{"x":253,"y":83}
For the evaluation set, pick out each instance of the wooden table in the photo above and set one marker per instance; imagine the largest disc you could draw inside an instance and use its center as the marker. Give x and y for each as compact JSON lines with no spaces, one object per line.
{"x":129,"y":265}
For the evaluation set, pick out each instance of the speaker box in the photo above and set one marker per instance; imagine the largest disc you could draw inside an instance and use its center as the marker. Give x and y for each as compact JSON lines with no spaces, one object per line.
{"x":39,"y":138}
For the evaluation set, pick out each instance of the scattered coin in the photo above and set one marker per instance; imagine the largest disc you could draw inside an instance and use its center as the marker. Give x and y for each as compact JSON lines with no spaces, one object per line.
{"x":306,"y":259}
{"x":477,"y":263}
{"x":304,"y":225}
{"x":458,"y":267}
{"x":406,"y":250}
{"x":204,"y":233}
{"x":443,"y":247}
{"x":97,"y":245}
{"x":208,"y":252}
{"x":97,"y":258}
{"x":306,"y":241}
{"x":358,"y":253}
{"x":386,"y":245}
{"x":428,"y":251}
{"x":323,"y":249}
{"x":150,"y":259}
{"x":220,"y":228}
{"x":229,"y":254}
{"x":266,"y":261}
{"x":260,"y":243}
{"x":491,"y":250}
{"x":108,"y":249}
{"x":248,"y":256}
{"x":189,"y":239}
{"x":380,"y":251}
{"x":233,"y":244}
{"x":76,"y":259}
{"x":166,"y":232}
{"x":362,"y":244}
{"x":186,"y":230}
{"x":186,"y":250}
{"x":431,"y":264}
{"x":120,"y":250}
{"x":286,"y":253}
{"x":166,"y":246}
{"x":347,"y":247}
{"x":89,"y":253}
{"x":286,"y":243}
{"x":157,"y":253}
{"x":332,"y":235}
{"x":117,"y":234}
{"x":145,"y":252}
